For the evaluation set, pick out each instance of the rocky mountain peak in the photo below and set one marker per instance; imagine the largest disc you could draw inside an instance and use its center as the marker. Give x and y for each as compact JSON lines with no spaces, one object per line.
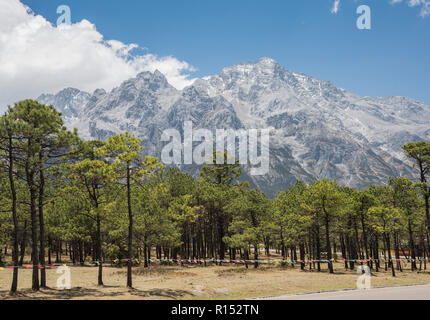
{"x":317,"y":130}
{"x":264,"y":68}
{"x":152,"y":81}
{"x":71,"y":100}
{"x":99,"y":93}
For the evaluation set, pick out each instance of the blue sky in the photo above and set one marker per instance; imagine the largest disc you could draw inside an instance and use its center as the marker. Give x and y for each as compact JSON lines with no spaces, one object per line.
{"x":303,"y":36}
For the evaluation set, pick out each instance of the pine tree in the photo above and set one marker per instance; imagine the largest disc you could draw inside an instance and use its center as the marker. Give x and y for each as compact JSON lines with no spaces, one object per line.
{"x":95,"y":175}
{"x":325,"y":201}
{"x":38,"y":135}
{"x":407,"y":200}
{"x":222,"y":176}
{"x":420,"y":153}
{"x":124,"y":151}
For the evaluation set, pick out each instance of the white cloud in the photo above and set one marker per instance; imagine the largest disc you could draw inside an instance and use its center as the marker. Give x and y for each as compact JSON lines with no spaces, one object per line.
{"x":336,"y":6}
{"x":37,"y":57}
{"x":424,"y":4}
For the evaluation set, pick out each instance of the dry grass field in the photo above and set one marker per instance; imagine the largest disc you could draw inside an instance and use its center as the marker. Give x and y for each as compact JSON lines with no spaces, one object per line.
{"x":199,"y":283}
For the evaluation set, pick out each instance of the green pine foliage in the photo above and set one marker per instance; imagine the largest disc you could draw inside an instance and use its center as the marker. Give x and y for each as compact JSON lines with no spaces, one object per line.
{"x":92,"y":202}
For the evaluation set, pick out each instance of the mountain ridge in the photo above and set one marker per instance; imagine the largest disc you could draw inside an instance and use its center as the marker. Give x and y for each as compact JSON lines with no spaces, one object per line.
{"x":317,"y":130}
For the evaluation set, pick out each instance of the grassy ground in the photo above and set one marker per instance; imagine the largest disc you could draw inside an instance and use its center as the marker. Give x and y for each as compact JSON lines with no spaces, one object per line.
{"x":197,"y":283}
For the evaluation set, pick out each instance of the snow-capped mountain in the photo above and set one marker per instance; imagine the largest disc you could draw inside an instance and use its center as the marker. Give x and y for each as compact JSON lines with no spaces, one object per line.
{"x":317,"y":130}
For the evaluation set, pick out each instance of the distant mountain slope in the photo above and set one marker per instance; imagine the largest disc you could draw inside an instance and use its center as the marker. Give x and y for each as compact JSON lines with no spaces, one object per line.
{"x":318,"y":130}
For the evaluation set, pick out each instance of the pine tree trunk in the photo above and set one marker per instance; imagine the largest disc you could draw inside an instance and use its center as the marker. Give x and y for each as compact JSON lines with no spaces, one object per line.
{"x":99,"y":249}
{"x":327,"y":235}
{"x":397,"y":251}
{"x":221,"y":236}
{"x":387,"y":237}
{"x":145,"y":254}
{"x":343,"y":248}
{"x":302,"y":255}
{"x":42,"y":227}
{"x":376,"y":254}
{"x":365,"y":244}
{"x":255,"y":255}
{"x":130,"y":232}
{"x":49,"y":250}
{"x":23,"y":243}
{"x":34,"y":254}
{"x":15,"y":220}
{"x":318,"y":247}
{"x":412,"y":247}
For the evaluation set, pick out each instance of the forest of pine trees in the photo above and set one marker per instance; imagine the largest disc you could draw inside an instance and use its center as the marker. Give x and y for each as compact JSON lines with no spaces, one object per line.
{"x":64,"y":199}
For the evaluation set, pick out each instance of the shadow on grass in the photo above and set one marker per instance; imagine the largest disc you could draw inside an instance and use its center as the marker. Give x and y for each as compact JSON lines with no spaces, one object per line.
{"x":50,"y":294}
{"x":161,"y":293}
{"x":92,"y":293}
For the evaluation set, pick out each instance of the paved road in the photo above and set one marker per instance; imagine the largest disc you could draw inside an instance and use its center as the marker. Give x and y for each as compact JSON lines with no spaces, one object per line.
{"x":395,"y":293}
